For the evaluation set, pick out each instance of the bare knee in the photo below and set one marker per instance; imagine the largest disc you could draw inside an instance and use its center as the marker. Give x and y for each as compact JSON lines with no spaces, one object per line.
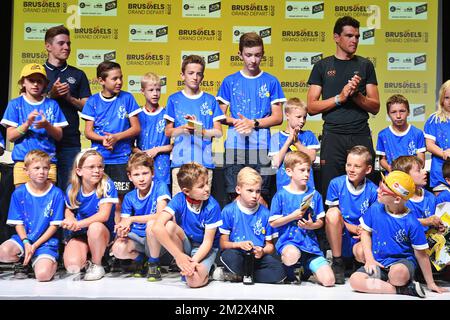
{"x":356,"y":280}
{"x":333,"y":216}
{"x":120,"y":248}
{"x":45,"y":271}
{"x":199,"y":278}
{"x":148,"y":230}
{"x":96,"y":230}
{"x":399,"y":275}
{"x":290,"y":256}
{"x":358,"y":252}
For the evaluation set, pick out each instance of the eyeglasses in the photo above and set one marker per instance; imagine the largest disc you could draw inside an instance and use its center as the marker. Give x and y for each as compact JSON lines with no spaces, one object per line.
{"x":386,"y":191}
{"x":92,"y":168}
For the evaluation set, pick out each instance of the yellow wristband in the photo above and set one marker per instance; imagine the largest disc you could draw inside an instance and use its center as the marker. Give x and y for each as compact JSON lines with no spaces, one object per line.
{"x":20,"y":130}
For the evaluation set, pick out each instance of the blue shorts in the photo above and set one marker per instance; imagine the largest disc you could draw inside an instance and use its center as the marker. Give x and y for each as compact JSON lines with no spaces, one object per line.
{"x":348,"y":242}
{"x":47,"y":250}
{"x":190,"y":248}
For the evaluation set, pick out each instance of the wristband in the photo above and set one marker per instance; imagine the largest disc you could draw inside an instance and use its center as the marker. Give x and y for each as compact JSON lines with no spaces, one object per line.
{"x":26,"y":240}
{"x":336,"y":100}
{"x":20,"y":130}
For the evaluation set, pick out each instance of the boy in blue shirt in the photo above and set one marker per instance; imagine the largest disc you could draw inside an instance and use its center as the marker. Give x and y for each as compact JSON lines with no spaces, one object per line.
{"x":187,"y":227}
{"x":401,"y":138}
{"x":291,"y":139}
{"x":36,"y":211}
{"x":394,"y":243}
{"x":247,"y":237}
{"x":254,"y":99}
{"x":140,"y":208}
{"x":348,"y":198}
{"x":152,"y":139}
{"x":192,"y":104}
{"x":296,"y":219}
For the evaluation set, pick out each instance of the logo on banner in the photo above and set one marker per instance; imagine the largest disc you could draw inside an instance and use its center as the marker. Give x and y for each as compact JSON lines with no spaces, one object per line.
{"x":295,"y":87}
{"x":134,"y":84}
{"x":303,"y":35}
{"x":407,"y":61}
{"x":253,"y":10}
{"x":367,"y":36}
{"x":96,"y":33}
{"x":264,"y":32}
{"x":304,"y":9}
{"x":92,"y":58}
{"x":150,"y":8}
{"x":148,"y":33}
{"x":406,"y":36}
{"x":408,"y":11}
{"x":201,"y":9}
{"x":36,"y":31}
{"x":200,"y":34}
{"x":147,"y":59}
{"x":301,"y":60}
{"x":356,"y":11}
{"x":40,"y":6}
{"x":33,"y":57}
{"x":406,"y":87}
{"x":106,"y":8}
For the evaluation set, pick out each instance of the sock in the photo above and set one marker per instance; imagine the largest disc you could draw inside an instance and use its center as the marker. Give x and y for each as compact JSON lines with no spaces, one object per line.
{"x":153,"y":260}
{"x":139,"y":257}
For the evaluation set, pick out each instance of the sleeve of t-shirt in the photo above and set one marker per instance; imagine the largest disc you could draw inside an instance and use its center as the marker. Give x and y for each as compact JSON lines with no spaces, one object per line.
{"x":370,"y":72}
{"x":311,"y":141}
{"x":226,"y":226}
{"x":127,"y":206}
{"x":417,"y":236}
{"x":84,"y":89}
{"x":132,"y":106}
{"x":174,"y":206}
{"x":380,"y":150}
{"x":430,"y":128}
{"x":421,"y":147}
{"x":319,"y":211}
{"x":217,"y":112}
{"x":332,"y":194}
{"x":163,"y":192}
{"x":270,"y":232}
{"x":213,"y":219}
{"x":59,"y":120}
{"x":276,"y":93}
{"x":366,"y":219}
{"x":275,"y":146}
{"x":58,"y":209}
{"x":170,"y":110}
{"x":11,"y":116}
{"x":275,"y":208}
{"x":111,"y":194}
{"x":315,"y":76}
{"x":15,"y":213}
{"x":88,"y":112}
{"x":223,"y":95}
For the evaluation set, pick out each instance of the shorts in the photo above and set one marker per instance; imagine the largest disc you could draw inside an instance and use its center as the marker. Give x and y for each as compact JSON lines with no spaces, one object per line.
{"x":176,"y":187}
{"x":309,"y":261}
{"x":20,"y":176}
{"x":118,"y":174}
{"x":141,"y":245}
{"x":348,"y":242}
{"x":190,"y":248}
{"x":383,"y":273}
{"x":47,"y":250}
{"x":82,"y":234}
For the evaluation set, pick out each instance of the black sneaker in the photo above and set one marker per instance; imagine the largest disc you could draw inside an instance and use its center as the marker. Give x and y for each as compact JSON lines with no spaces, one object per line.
{"x":248,"y":280}
{"x":154,"y":272}
{"x":338,"y":268}
{"x":413,"y":288}
{"x":114,"y":265}
{"x":21,"y":271}
{"x":141,"y":269}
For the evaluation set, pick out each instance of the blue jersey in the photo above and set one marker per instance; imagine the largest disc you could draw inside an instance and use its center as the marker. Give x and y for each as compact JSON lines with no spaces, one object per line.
{"x":243,"y":224}
{"x":353,"y":203}
{"x":252,"y":97}
{"x":277,"y":141}
{"x":393,"y":144}
{"x":111,"y":116}
{"x":187,"y":147}
{"x":89,"y":203}
{"x":152,"y":135}
{"x":195,"y":223}
{"x":2,"y":141}
{"x":444,"y":196}
{"x":394,"y":237}
{"x":17,"y":113}
{"x":439,"y":132}
{"x":36,"y":212}
{"x":423,"y":207}
{"x":134,"y":205}
{"x":283,"y":204}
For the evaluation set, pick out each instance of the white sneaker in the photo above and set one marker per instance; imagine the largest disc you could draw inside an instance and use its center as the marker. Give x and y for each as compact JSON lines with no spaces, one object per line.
{"x":94,"y":272}
{"x":218,"y":274}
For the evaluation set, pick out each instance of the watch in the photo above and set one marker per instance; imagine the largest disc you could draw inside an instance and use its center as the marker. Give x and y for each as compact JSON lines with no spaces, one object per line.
{"x":256,"y":123}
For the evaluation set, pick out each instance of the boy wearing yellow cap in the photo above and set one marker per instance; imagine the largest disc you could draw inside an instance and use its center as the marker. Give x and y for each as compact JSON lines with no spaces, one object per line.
{"x":33,"y":121}
{"x":394,"y":243}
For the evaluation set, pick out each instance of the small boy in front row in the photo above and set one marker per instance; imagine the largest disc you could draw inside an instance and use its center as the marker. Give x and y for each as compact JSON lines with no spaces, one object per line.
{"x":394,"y":243}
{"x":296,"y":222}
{"x":140,"y":209}
{"x":36,"y":211}
{"x":348,"y":198}
{"x":246,"y":236}
{"x":187,"y":227}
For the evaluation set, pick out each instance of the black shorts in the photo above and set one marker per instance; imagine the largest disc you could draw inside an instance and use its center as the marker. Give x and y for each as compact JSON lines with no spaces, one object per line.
{"x":118,"y":174}
{"x":383,"y":274}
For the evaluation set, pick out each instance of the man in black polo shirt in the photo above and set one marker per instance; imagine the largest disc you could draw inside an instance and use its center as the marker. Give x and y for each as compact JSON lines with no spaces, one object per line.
{"x":348,"y":86}
{"x":69,"y":86}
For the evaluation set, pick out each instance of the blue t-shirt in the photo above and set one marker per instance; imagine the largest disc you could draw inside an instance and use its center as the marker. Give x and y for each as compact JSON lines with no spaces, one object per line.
{"x":134,"y":205}
{"x":439,"y":132}
{"x":252,"y":97}
{"x":112,"y":116}
{"x":394,"y":237}
{"x":283,"y":204}
{"x":152,"y":135}
{"x":393,"y":145}
{"x":243,"y":224}
{"x":2,"y":141}
{"x":17,"y":113}
{"x":195,"y":223}
{"x":187,"y":147}
{"x":36,"y":212}
{"x":277,"y":141}
{"x":443,"y":196}
{"x":352,"y":203}
{"x":90,"y":203}
{"x":424,"y":207}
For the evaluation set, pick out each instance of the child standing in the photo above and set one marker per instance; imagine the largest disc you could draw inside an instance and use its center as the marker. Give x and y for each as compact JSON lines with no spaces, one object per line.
{"x":89,"y":215}
{"x":33,"y":121}
{"x":152,"y":139}
{"x":394,"y":243}
{"x":401,"y":138}
{"x":187,"y":227}
{"x":36,"y":211}
{"x":297,"y":242}
{"x":140,"y":209}
{"x":246,"y":235}
{"x":192,"y":103}
{"x":254,"y":99}
{"x":112,"y":124}
{"x":348,"y":197}
{"x":291,"y":139}
{"x":437,"y":138}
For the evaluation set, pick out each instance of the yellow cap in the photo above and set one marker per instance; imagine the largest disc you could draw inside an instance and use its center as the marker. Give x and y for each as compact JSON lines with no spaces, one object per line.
{"x":400,"y":183}
{"x":33,"y":68}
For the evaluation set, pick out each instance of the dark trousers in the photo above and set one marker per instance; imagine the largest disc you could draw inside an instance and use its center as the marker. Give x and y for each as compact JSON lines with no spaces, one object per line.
{"x":65,"y":157}
{"x":333,"y":155}
{"x":266,"y":270}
